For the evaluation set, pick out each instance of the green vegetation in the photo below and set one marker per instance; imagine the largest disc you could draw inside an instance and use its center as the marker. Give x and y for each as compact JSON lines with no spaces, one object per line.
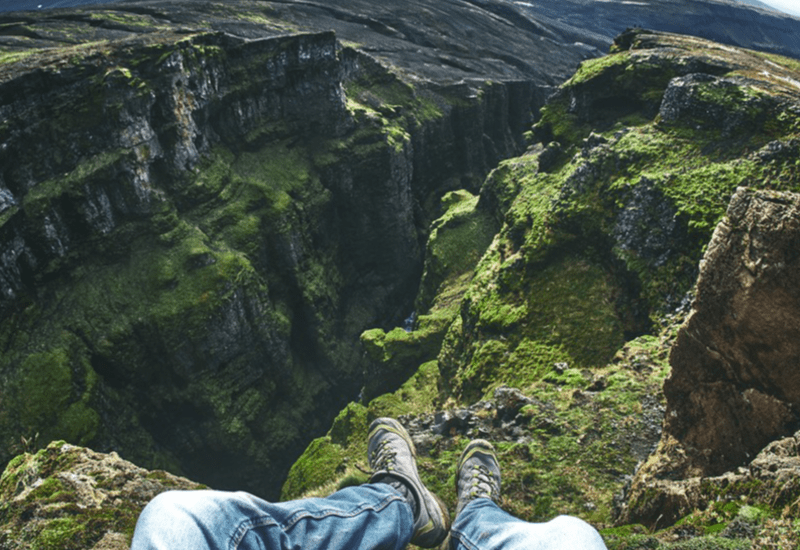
{"x":12,"y":56}
{"x":125,"y":19}
{"x":380,"y":97}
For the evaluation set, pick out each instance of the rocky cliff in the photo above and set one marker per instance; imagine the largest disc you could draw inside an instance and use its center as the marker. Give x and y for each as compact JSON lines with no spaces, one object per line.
{"x":197,"y":226}
{"x":732,"y":389}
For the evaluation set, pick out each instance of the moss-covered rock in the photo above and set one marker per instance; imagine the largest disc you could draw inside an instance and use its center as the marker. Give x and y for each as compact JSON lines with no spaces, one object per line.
{"x":457,"y":240}
{"x":70,"y":498}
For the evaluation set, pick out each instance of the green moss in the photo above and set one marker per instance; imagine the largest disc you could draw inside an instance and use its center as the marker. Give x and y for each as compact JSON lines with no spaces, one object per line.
{"x":59,"y":533}
{"x":44,"y":394}
{"x":561,"y":125}
{"x":418,"y":394}
{"x":396,"y":355}
{"x":11,"y":56}
{"x":350,"y":426}
{"x":123,"y":18}
{"x":37,"y":201}
{"x":376,"y":96}
{"x":712,"y":543}
{"x":562,"y":313}
{"x":51,"y":490}
{"x":456,"y":243}
{"x":593,"y":68}
{"x":319,"y":464}
{"x":45,"y":385}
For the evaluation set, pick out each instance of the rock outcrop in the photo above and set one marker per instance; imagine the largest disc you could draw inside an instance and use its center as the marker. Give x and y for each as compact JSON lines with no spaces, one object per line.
{"x":734,"y":386}
{"x":72,"y":498}
{"x":770,"y":478}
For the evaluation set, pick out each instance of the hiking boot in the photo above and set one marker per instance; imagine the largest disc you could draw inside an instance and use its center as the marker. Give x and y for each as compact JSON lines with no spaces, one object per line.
{"x":393,"y":460}
{"x":478,"y":474}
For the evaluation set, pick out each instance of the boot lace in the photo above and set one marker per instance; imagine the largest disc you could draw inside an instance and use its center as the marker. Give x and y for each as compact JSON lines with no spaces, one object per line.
{"x":483,"y":483}
{"x":385,"y":457}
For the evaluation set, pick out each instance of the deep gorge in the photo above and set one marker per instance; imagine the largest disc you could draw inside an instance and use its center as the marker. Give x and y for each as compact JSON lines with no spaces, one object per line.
{"x":202,"y":226}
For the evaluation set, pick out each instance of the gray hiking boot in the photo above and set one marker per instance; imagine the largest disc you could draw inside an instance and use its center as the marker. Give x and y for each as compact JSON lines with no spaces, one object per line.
{"x":392,"y":455}
{"x":478,"y":474}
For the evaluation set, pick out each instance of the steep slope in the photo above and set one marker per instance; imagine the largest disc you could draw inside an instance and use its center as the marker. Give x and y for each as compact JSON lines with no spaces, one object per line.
{"x":555,"y":342}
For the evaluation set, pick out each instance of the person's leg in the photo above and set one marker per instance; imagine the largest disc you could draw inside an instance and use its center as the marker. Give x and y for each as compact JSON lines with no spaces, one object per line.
{"x":393,"y":509}
{"x":481,"y":525}
{"x":374,"y":516}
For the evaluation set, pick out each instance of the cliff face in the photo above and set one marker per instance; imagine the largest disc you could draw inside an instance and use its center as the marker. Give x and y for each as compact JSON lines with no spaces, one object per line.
{"x":733,"y":389}
{"x":197,"y":227}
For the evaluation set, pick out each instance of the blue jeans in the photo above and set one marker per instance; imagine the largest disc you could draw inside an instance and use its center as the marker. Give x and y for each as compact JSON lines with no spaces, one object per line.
{"x":374,"y":516}
{"x":482,"y":525}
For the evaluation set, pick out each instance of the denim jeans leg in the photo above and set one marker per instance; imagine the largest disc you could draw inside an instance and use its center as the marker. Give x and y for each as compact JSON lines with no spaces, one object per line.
{"x":482,"y":525}
{"x":367,"y":517}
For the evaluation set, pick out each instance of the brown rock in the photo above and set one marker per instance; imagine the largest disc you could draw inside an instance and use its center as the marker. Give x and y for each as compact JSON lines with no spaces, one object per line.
{"x":772,"y":478}
{"x":735,"y":382}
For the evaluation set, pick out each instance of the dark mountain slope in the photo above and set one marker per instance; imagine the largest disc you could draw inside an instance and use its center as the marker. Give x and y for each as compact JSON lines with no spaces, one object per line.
{"x":581,"y":24}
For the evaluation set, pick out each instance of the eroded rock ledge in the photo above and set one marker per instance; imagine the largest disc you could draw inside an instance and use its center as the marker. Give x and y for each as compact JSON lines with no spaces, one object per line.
{"x":735,"y":386}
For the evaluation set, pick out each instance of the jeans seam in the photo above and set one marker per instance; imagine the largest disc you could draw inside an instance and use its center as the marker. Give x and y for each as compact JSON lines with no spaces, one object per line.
{"x":462,"y":539}
{"x":249,"y":525}
{"x":297,"y":517}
